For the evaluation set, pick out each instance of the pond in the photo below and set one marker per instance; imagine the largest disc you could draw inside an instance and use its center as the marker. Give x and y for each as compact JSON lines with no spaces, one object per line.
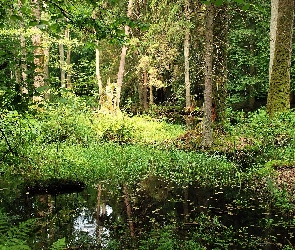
{"x":153,"y":214}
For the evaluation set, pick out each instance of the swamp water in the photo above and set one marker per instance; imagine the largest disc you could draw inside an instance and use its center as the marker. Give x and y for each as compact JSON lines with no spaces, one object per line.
{"x":153,"y":214}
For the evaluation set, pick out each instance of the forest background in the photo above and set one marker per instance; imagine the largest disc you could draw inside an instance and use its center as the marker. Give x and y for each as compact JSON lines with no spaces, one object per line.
{"x":132,"y":93}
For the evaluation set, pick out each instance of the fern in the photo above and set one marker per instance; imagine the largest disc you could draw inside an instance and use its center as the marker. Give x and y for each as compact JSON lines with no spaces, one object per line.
{"x":59,"y":244}
{"x":15,"y":237}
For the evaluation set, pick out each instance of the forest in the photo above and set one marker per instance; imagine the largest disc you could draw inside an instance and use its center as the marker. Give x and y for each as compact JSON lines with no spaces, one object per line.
{"x":147,"y":124}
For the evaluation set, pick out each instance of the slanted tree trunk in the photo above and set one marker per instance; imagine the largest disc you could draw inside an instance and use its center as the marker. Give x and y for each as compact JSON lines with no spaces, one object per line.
{"x":281,"y":31}
{"x":220,"y":35}
{"x":207,"y":137}
{"x":122,"y":61}
{"x":186,"y":58}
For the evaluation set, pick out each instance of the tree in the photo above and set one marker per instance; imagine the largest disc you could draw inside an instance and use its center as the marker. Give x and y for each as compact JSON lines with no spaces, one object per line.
{"x":39,"y":72}
{"x":207,"y":138}
{"x":281,"y":31}
{"x":220,"y":41}
{"x":186,"y":58}
{"x":122,"y":60}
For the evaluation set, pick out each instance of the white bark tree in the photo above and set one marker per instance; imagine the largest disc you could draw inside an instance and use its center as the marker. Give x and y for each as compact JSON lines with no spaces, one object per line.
{"x":122,"y":61}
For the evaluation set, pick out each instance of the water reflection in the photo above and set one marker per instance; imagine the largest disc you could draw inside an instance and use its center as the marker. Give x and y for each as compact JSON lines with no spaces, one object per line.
{"x":151,"y":212}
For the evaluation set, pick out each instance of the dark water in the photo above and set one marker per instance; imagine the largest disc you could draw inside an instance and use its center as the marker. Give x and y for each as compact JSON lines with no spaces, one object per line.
{"x":153,"y":214}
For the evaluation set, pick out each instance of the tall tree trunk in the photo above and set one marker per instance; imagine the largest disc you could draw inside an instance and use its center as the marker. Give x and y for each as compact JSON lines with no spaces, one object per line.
{"x":98,"y":76}
{"x":24,"y":68}
{"x":68,"y":60}
{"x":186,"y":58}
{"x":62,"y":64}
{"x":144,"y":90}
{"x":46,"y":63}
{"x":151,"y":95}
{"x":281,"y":32}
{"x":220,"y":35}
{"x":38,"y":51}
{"x":207,"y":138}
{"x":122,"y":61}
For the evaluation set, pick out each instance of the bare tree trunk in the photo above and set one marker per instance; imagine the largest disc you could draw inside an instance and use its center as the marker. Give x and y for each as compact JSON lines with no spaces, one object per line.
{"x":186,"y":58}
{"x":68,"y":60}
{"x":207,"y":138}
{"x":38,"y":51}
{"x":144,"y":90}
{"x":62,"y":64}
{"x":98,"y":77}
{"x":151,"y":95}
{"x":46,"y":64}
{"x":24,"y":68}
{"x":281,"y":32}
{"x":122,"y":61}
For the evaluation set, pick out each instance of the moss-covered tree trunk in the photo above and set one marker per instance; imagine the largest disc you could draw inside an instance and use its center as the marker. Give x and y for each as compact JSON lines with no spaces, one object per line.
{"x":220,"y":34}
{"x":281,"y":31}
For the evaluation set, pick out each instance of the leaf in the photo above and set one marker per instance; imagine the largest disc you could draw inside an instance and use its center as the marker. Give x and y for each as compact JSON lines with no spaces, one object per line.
{"x":42,"y":88}
{"x":33,"y":23}
{"x":218,"y":2}
{"x":44,"y":22}
{"x":246,"y":6}
{"x":16,"y":17}
{"x":41,"y":26}
{"x":206,"y":2}
{"x":62,"y":100}
{"x":59,"y":244}
{"x":239,"y":1}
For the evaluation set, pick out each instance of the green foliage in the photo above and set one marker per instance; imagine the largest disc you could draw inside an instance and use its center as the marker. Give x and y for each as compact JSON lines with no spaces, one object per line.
{"x":208,"y":233}
{"x":248,"y":54}
{"x":13,"y":237}
{"x":59,"y":244}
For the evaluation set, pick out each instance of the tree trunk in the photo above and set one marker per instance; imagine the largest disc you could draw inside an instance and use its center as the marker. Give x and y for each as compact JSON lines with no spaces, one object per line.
{"x":122,"y":61}
{"x":38,"y":51}
{"x":98,"y":77}
{"x":151,"y":95}
{"x":68,"y":60}
{"x":207,"y":138}
{"x":281,"y":32}
{"x":186,"y":58}
{"x":24,"y":68}
{"x":220,"y":35}
{"x":62,"y":64}
{"x":144,"y":90}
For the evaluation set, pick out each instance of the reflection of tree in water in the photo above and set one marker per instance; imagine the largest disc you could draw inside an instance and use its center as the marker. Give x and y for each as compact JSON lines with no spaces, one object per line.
{"x":105,"y":218}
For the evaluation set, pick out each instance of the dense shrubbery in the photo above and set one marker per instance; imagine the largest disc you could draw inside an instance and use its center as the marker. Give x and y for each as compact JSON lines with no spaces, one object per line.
{"x":69,"y":141}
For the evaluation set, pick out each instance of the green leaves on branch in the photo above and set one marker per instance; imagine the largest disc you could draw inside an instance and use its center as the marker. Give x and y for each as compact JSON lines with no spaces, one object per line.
{"x":246,"y":5}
